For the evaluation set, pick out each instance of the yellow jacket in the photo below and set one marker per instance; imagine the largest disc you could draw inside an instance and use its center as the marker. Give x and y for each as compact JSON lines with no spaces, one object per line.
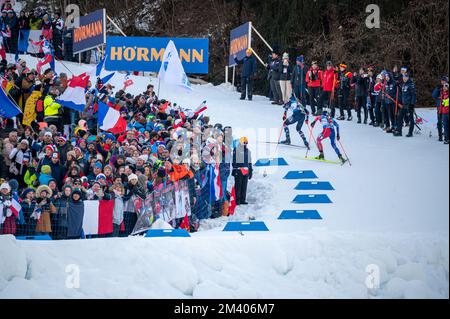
{"x":50,"y":106}
{"x":29,"y":114}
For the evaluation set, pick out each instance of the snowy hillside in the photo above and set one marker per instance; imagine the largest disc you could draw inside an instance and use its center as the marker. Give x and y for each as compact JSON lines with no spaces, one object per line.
{"x":390,"y":209}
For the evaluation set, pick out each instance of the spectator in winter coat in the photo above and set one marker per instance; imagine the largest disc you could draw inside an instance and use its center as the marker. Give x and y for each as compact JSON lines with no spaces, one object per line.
{"x":444,"y":112}
{"x":8,"y":145}
{"x":58,"y":28}
{"x":43,"y":210}
{"x":7,"y":218}
{"x":75,"y":215}
{"x":118,"y":192}
{"x":58,"y":170}
{"x":20,"y":158}
{"x":247,"y":74}
{"x":298,"y":80}
{"x":437,"y":96}
{"x":361,"y":90}
{"x":274,"y":68}
{"x":131,"y":189}
{"x":46,"y":175}
{"x":314,"y":80}
{"x":25,"y":83}
{"x":285,"y":79}
{"x":62,"y":206}
{"x":344,"y":79}
{"x":28,"y":205}
{"x":391,"y":95}
{"x":52,"y":110}
{"x":408,"y":103}
{"x":242,"y":170}
{"x":329,"y":81}
{"x":30,"y":178}
{"x":14,"y":27}
{"x":35,"y":22}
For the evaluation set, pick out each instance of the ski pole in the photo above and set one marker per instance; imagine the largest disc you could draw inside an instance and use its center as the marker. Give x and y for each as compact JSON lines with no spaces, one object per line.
{"x":311,"y":135}
{"x":345,"y":153}
{"x":279,"y":136}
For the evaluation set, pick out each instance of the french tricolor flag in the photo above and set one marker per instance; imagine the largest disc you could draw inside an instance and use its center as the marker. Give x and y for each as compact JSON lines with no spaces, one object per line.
{"x":74,"y":96}
{"x":98,"y":217}
{"x":16,"y":208}
{"x":109,"y":119}
{"x":216,"y":185}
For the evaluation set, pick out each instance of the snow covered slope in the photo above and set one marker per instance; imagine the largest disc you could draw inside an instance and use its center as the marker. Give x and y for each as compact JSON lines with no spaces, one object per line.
{"x":390,"y":209}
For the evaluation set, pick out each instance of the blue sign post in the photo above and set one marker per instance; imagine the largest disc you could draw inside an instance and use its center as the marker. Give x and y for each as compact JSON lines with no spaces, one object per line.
{"x":146,"y":54}
{"x":91,"y":33}
{"x":240,"y":41}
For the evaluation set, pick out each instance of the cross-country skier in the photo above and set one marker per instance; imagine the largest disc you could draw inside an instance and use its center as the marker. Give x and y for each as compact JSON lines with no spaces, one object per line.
{"x":328,"y":124}
{"x":46,"y":48}
{"x":299,"y":114}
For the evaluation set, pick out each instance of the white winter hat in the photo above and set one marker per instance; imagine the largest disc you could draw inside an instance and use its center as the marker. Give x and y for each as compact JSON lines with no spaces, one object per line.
{"x":5,"y":186}
{"x":132,"y":176}
{"x":143,"y":157}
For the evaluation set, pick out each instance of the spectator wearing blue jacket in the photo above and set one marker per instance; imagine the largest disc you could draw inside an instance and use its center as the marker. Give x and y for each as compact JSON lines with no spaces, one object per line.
{"x":409,"y":99}
{"x":247,"y":74}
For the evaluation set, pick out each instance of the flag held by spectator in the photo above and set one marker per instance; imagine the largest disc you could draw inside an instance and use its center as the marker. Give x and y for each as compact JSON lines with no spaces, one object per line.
{"x":74,"y":96}
{"x":233,"y":205}
{"x":128,"y":82}
{"x":7,"y":107}
{"x":172,"y":70}
{"x":110,"y":120}
{"x":185,"y":224}
{"x":16,"y":208}
{"x":98,"y":217}
{"x":216,"y":184}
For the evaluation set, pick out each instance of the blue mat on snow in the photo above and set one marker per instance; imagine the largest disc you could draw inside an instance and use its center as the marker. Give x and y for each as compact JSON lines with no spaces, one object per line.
{"x":246,"y":226}
{"x":43,"y":237}
{"x":300,"y":214}
{"x":300,"y":175}
{"x":271,"y":162}
{"x":153,"y":233}
{"x":318,"y":186}
{"x":312,"y":199}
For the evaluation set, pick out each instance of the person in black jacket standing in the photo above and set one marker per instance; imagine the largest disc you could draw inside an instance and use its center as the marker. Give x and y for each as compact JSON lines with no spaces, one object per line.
{"x":247,"y":74}
{"x":274,"y":68}
{"x":361,"y":91}
{"x":409,"y":99}
{"x":242,"y":170}
{"x":298,"y":80}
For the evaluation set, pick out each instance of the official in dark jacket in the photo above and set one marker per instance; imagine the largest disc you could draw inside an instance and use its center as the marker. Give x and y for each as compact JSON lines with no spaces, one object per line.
{"x":274,"y":68}
{"x":242,"y":170}
{"x":247,"y":74}
{"x":407,"y":111}
{"x":361,"y":82}
{"x":298,"y":80}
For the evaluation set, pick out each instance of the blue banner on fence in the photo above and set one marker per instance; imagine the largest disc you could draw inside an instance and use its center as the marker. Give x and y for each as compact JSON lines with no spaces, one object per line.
{"x":146,"y":54}
{"x":240,"y":41}
{"x":91,"y":33}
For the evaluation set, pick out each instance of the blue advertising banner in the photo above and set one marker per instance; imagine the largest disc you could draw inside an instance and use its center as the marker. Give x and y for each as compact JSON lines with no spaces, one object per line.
{"x":146,"y":54}
{"x":240,"y":41}
{"x":91,"y":33}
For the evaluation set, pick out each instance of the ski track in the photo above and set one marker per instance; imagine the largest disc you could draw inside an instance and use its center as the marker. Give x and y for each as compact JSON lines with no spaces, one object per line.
{"x":390,"y":209}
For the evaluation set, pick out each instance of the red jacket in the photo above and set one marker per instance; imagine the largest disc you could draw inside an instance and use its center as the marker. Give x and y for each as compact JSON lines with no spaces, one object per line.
{"x":329,"y":80}
{"x":443,"y":109}
{"x":314,"y":78}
